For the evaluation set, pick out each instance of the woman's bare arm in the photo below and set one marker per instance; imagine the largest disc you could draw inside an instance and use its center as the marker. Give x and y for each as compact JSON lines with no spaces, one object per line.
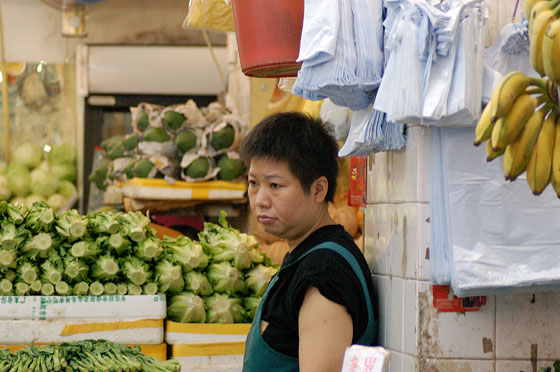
{"x":325,"y":330}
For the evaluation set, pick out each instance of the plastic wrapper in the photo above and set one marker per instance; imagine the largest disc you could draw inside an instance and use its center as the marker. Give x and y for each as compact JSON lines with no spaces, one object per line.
{"x":495,"y":232}
{"x":214,"y":15}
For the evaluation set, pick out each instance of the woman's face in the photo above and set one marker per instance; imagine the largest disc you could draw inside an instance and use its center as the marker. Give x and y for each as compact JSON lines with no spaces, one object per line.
{"x":279,"y":202}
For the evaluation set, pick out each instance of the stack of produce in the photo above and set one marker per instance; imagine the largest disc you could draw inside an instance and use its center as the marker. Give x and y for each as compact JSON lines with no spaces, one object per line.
{"x":522,"y":121}
{"x":36,"y":175}
{"x":174,"y":142}
{"x":87,"y":355}
{"x":217,"y":279}
{"x":225,"y":277}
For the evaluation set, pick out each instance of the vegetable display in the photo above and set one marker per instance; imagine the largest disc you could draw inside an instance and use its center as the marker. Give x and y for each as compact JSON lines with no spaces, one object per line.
{"x":35,"y":175}
{"x":87,"y":355}
{"x":178,"y":142}
{"x":218,"y":278}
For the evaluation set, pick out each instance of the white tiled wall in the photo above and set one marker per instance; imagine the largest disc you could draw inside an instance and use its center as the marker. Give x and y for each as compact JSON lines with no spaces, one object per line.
{"x":498,"y":338}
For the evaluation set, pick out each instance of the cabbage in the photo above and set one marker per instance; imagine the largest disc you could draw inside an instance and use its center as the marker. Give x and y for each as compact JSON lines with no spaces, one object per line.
{"x":56,"y":201}
{"x":259,"y":277}
{"x":19,"y":180}
{"x":225,"y":243}
{"x":62,"y":153}
{"x":32,"y":198}
{"x":67,"y":189}
{"x":224,"y":309}
{"x":43,"y":183}
{"x":184,"y":251}
{"x":64,"y":171}
{"x":5,"y":191}
{"x":28,"y":154}
{"x":186,"y":307}
{"x":225,"y":278}
{"x":251,"y":304}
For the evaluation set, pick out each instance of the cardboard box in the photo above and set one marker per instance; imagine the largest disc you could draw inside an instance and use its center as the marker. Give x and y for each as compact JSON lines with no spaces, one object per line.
{"x":113,"y":307}
{"x":205,"y":333}
{"x":210,"y":357}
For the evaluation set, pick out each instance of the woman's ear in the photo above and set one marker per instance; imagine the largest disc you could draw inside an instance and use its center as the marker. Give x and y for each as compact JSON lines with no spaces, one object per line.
{"x":319,"y":189}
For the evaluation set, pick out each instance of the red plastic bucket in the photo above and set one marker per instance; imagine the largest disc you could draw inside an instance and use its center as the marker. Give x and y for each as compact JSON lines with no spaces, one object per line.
{"x":268,"y":34}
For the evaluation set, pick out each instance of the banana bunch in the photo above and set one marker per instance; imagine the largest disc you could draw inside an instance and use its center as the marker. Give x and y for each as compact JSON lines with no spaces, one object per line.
{"x":522,"y":123}
{"x":544,"y":37}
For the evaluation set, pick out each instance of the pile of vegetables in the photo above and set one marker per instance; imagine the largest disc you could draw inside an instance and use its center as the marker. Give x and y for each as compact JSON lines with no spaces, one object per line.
{"x":36,"y":175}
{"x":224,"y":281}
{"x":173,"y":142}
{"x":87,"y":355}
{"x":219,"y":278}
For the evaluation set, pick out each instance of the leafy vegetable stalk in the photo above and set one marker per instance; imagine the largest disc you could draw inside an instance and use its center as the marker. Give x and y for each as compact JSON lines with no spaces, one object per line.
{"x":169,"y":276}
{"x":134,"y":225}
{"x":182,"y":250}
{"x":103,"y":223}
{"x":224,"y":309}
{"x":198,"y":283}
{"x":186,"y":307}
{"x":105,"y":268}
{"x":71,"y":224}
{"x":136,"y":270}
{"x":27,"y":272}
{"x":149,"y":248}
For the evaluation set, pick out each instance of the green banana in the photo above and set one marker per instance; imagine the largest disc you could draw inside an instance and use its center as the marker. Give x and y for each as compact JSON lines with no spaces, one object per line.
{"x":539,"y":165}
{"x":517,"y":153}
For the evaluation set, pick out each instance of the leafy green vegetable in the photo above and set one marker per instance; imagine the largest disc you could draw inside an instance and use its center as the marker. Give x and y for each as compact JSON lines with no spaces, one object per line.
{"x":105,"y":268}
{"x":27,"y":272}
{"x":28,"y":154}
{"x":182,"y":250}
{"x":19,"y":179}
{"x":62,"y":153}
{"x":11,"y":237}
{"x":67,"y":189}
{"x":103,"y":223}
{"x":134,"y":225}
{"x":198,"y":283}
{"x":52,"y":269}
{"x":84,"y":248}
{"x":258,"y":278}
{"x":119,"y":244}
{"x":81,"y":289}
{"x":40,"y":218}
{"x":169,"y":276}
{"x":75,"y":269}
{"x":149,"y":248}
{"x":186,"y":307}
{"x":226,"y":278}
{"x":96,"y":288}
{"x":224,"y":309}
{"x":251,"y":304}
{"x":71,"y":224}
{"x":64,"y":171}
{"x":5,"y":287}
{"x":43,"y":183}
{"x":136,"y":270}
{"x":38,"y":246}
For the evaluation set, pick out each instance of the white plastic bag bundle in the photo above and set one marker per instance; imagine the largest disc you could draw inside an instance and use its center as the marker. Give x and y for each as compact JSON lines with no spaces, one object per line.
{"x":440,"y":48}
{"x":501,"y":238}
{"x":346,"y":63}
{"x":510,"y":52}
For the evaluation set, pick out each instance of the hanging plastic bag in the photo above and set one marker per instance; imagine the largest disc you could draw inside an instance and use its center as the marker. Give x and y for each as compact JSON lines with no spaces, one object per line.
{"x":501,"y":238}
{"x":214,"y":15}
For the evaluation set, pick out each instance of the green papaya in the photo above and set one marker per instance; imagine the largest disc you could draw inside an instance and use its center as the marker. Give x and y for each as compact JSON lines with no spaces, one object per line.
{"x":198,"y":168}
{"x":156,"y":135}
{"x":142,"y":168}
{"x":230,"y":169}
{"x":173,"y":119}
{"x":110,"y":142}
{"x":223,"y":138}
{"x":143,"y":121}
{"x":185,"y":140}
{"x":130,"y":141}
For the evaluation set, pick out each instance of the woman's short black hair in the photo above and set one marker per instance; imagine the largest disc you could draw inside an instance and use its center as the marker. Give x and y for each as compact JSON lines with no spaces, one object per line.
{"x":301,"y":141}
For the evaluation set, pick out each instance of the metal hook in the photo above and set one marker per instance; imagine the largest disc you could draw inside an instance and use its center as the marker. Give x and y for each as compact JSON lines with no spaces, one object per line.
{"x":515,"y":11}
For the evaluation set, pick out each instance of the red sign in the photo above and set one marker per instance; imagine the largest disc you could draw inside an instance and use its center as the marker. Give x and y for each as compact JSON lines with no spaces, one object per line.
{"x":357,"y":195}
{"x":444,"y":301}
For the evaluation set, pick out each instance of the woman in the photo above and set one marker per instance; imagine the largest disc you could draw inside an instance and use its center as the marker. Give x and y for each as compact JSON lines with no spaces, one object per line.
{"x":321,"y":300}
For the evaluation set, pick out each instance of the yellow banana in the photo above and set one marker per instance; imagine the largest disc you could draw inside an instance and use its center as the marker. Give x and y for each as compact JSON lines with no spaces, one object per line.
{"x":517,"y":153}
{"x":539,"y":166}
{"x":508,"y":89}
{"x":522,"y":109}
{"x":540,"y":25}
{"x":490,"y":153}
{"x":484,"y":126}
{"x":555,"y":176}
{"x":537,"y":9}
{"x":529,"y":4}
{"x":551,"y":51}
